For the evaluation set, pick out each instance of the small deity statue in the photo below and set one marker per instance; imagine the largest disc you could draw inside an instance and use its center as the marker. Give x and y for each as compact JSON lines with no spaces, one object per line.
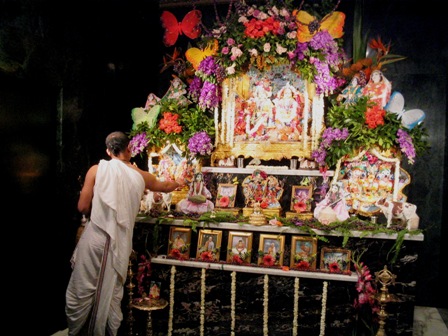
{"x":254,"y":187}
{"x":198,"y":198}
{"x":333,"y":207}
{"x":353,"y":91}
{"x":378,"y":88}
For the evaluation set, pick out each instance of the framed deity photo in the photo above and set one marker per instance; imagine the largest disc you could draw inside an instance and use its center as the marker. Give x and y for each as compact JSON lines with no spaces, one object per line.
{"x":335,"y":260}
{"x":271,"y":250}
{"x":303,"y":252}
{"x":239,"y":247}
{"x":301,"y":198}
{"x":179,"y":242}
{"x":226,"y":195}
{"x":209,"y":245}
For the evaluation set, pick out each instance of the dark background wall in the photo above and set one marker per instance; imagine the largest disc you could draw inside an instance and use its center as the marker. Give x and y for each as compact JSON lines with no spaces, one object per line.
{"x":70,"y":73}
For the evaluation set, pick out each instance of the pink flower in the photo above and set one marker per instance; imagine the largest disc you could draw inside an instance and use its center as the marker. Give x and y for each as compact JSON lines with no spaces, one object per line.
{"x":224,"y":201}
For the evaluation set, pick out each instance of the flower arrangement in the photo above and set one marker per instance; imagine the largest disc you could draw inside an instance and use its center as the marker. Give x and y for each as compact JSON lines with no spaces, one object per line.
{"x":200,"y":144}
{"x":179,"y":253}
{"x":238,"y":258}
{"x":143,"y":275}
{"x":265,"y":36}
{"x":268,"y":259}
{"x":175,"y":123}
{"x":259,"y":35}
{"x":304,"y":262}
{"x":363,"y":125}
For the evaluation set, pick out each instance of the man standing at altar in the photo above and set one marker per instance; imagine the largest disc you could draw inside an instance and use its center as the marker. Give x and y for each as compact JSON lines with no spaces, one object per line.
{"x":110,"y":198}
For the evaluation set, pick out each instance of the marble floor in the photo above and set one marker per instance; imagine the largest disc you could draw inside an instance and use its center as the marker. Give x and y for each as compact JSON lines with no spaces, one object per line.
{"x":428,"y":321}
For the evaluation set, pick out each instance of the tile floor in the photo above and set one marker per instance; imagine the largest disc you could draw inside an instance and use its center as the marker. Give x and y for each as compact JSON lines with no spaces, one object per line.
{"x":428,"y":321}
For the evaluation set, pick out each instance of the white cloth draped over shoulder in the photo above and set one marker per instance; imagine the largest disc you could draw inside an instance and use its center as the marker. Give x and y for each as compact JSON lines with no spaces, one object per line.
{"x":116,"y":202}
{"x":101,"y":257}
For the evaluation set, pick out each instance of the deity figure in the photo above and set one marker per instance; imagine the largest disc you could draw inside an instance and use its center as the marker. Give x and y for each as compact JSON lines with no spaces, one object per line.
{"x":352,"y":92}
{"x":378,"y":88}
{"x":254,"y":187}
{"x":260,"y":111}
{"x":198,"y":198}
{"x":333,"y":207}
{"x":288,"y":112}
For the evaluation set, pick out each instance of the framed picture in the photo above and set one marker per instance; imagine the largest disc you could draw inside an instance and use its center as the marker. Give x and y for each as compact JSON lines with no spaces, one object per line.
{"x":335,"y":260}
{"x":209,"y":245}
{"x":303,"y":252}
{"x":383,"y":178}
{"x":154,"y":290}
{"x":226,"y":195}
{"x":270,"y":251}
{"x":179,"y":242}
{"x":239,"y":247}
{"x":301,"y":197}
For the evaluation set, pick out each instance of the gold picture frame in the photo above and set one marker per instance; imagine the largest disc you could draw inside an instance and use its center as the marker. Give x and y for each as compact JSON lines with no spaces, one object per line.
{"x":303,"y":252}
{"x":179,"y":242}
{"x":301,"y":194}
{"x":239,"y":247}
{"x":209,"y":241}
{"x":273,"y":245}
{"x":335,"y":260}
{"x":225,"y":198}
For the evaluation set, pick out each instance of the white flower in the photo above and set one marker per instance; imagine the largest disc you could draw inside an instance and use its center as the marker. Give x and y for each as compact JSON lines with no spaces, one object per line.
{"x":284,"y":12}
{"x":232,"y":303}
{"x":201,"y":331}
{"x":267,"y":47}
{"x":170,"y":318}
{"x":324,"y":309}
{"x":236,"y":52}
{"x":296,"y":307}
{"x":292,"y":35}
{"x":253,"y":52}
{"x":231,"y":69}
{"x":266,"y":305}
{"x":243,"y":19}
{"x":280,"y":50}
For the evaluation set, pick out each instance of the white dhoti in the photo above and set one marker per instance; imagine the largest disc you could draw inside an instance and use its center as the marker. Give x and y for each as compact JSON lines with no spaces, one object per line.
{"x":100,"y":260}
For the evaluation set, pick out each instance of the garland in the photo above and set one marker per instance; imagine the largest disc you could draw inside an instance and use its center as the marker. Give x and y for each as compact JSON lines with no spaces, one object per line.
{"x":265,"y":305}
{"x":324,"y":309}
{"x":296,"y":307}
{"x":170,"y":318}
{"x":201,"y":332}
{"x":232,"y":303}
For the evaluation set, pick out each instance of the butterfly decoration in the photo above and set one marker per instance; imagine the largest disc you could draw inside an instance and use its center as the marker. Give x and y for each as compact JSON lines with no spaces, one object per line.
{"x":189,"y":26}
{"x":196,"y":55}
{"x":410,"y":118}
{"x":140,"y":115}
{"x":308,"y":25}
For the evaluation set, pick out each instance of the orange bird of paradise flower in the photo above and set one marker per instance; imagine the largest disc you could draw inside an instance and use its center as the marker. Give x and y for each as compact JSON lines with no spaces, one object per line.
{"x":308,"y":25}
